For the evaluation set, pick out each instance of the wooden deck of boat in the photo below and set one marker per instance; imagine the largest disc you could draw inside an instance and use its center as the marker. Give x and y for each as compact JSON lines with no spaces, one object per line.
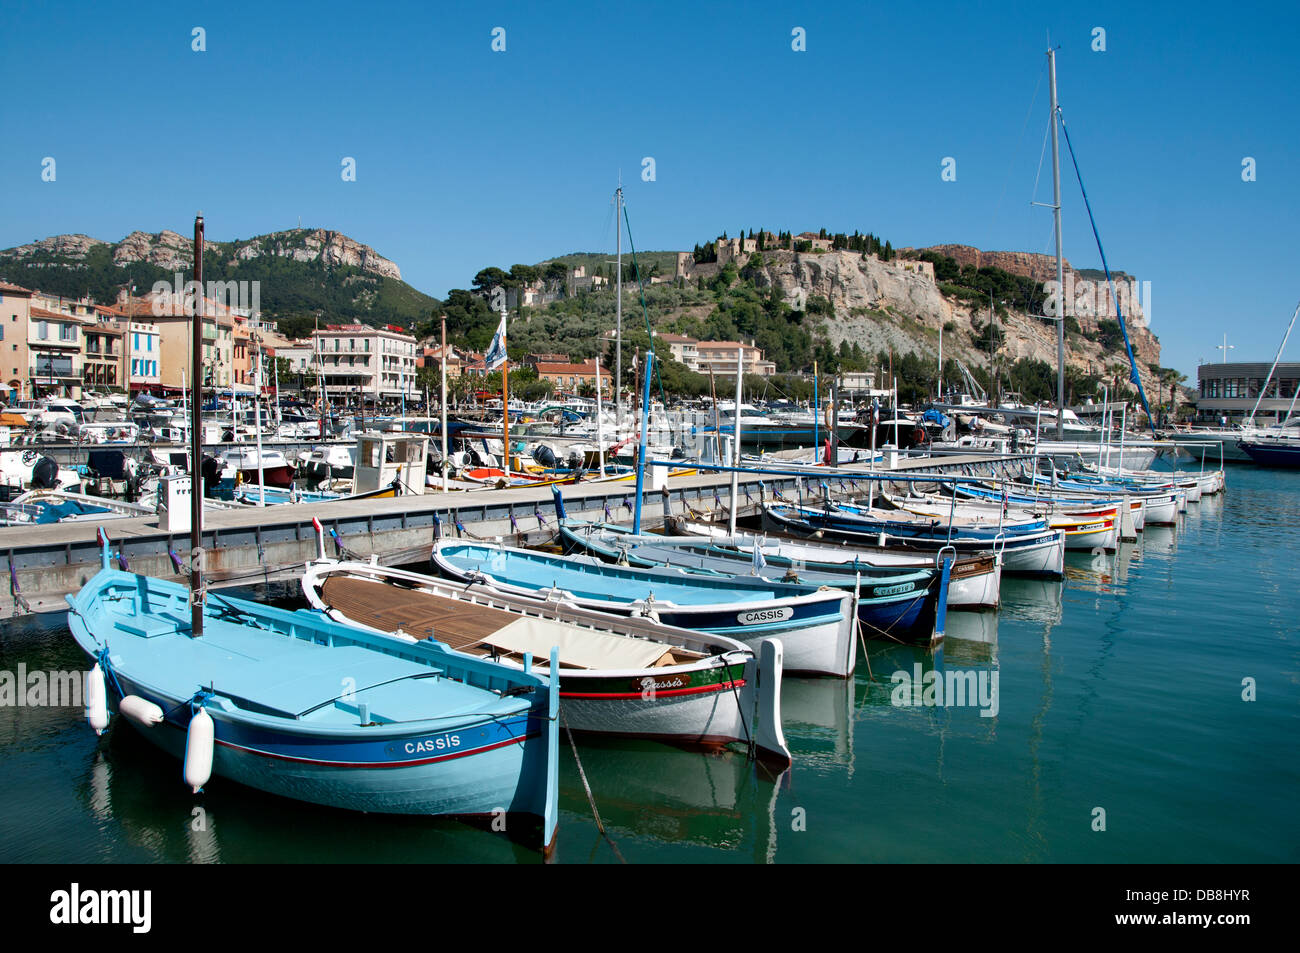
{"x":460,"y":625}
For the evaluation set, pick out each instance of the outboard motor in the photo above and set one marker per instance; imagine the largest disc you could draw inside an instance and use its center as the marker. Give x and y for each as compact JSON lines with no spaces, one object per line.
{"x":211,"y":473}
{"x":45,"y":475}
{"x":545,"y":456}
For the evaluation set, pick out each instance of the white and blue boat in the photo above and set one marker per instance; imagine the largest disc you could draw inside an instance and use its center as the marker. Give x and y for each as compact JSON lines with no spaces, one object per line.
{"x":295,"y":704}
{"x":815,"y":626}
{"x":877,"y":586}
{"x":1039,"y":552}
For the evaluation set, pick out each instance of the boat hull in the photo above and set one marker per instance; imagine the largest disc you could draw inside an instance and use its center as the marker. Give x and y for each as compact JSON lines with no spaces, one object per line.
{"x":379,"y":777}
{"x":1272,"y":456}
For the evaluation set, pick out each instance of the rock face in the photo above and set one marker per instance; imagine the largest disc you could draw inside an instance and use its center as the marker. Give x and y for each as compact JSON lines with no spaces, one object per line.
{"x":897,"y":305}
{"x":1027,"y":264}
{"x":65,"y":246}
{"x":167,"y":250}
{"x":334,"y":248}
{"x":173,"y":251}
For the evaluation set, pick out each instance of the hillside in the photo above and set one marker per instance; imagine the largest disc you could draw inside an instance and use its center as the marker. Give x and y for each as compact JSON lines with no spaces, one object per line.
{"x":846,"y":310}
{"x":304,"y":273}
{"x":859,"y":309}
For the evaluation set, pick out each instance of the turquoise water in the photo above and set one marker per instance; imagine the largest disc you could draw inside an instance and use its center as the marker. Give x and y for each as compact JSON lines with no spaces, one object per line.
{"x":1120,"y":689}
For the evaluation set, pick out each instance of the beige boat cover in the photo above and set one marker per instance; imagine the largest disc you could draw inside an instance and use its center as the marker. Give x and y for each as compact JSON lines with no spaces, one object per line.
{"x":579,"y":648}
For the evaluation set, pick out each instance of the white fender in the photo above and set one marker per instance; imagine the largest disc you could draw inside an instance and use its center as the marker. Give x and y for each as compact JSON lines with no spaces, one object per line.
{"x":142,"y":712}
{"x":198,"y":750}
{"x":96,"y":700}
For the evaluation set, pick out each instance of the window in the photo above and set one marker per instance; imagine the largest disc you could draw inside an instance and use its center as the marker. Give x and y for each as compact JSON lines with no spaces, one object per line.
{"x":67,"y":332}
{"x":136,"y":345}
{"x":42,"y":330}
{"x":148,"y":342}
{"x":2,"y":332}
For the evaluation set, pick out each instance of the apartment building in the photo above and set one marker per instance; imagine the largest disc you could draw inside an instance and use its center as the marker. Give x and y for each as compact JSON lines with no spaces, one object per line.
{"x":377,"y":363}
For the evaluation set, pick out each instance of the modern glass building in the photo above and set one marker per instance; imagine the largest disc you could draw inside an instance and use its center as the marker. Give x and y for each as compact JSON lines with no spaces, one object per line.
{"x":1230,"y":390}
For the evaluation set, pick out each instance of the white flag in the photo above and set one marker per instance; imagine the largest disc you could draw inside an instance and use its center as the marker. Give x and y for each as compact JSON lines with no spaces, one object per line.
{"x":496,"y":354}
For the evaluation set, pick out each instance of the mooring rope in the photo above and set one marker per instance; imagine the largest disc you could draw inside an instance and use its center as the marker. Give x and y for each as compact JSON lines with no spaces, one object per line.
{"x":591,"y":799}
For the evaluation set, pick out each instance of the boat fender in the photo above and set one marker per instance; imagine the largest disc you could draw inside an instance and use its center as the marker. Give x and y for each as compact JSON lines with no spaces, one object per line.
{"x":139,"y":710}
{"x":96,"y":700}
{"x":199,"y":741}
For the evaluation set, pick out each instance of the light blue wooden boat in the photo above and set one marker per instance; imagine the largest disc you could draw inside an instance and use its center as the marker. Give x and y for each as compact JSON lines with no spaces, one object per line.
{"x":815,"y":625}
{"x":298,"y":705}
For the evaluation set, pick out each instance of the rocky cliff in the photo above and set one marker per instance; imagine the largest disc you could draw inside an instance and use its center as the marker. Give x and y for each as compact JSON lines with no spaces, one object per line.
{"x":1024,"y":263}
{"x":173,"y":251}
{"x":333,"y":248}
{"x":897,"y":305}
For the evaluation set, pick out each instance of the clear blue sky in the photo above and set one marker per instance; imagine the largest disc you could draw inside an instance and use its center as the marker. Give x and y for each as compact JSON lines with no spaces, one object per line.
{"x":467,"y":158}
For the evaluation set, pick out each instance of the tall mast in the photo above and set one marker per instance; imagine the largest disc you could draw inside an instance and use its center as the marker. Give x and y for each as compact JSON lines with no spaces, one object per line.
{"x":442,"y":404}
{"x":505,"y":401}
{"x":196,"y":439}
{"x":1263,"y":390}
{"x":1060,"y":266}
{"x":618,"y":310}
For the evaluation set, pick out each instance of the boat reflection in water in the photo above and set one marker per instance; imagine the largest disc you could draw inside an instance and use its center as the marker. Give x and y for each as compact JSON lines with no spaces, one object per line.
{"x":1032,"y":600}
{"x":971,"y":634}
{"x":1160,"y":541}
{"x":649,"y":793}
{"x":817,"y":715}
{"x":144,"y":815}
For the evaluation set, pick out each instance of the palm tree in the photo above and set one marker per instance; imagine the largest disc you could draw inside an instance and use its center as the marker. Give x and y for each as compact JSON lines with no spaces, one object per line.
{"x":1172,"y":377}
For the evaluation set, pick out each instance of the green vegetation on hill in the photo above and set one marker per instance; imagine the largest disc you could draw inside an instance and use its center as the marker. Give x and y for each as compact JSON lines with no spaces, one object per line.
{"x":975,"y":285}
{"x":292,"y":292}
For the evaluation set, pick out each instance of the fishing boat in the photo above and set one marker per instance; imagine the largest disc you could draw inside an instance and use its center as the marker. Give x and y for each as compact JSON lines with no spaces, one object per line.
{"x":877,"y":588}
{"x":1040,"y":553}
{"x":298,"y":705}
{"x":630,"y":677}
{"x":1073,"y":507}
{"x":1085,"y":527}
{"x":41,"y":507}
{"x":814,"y":626}
{"x":248,"y":463}
{"x":975,"y":583}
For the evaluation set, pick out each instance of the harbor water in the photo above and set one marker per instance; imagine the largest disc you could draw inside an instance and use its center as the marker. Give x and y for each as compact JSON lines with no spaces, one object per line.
{"x":1144,"y":710}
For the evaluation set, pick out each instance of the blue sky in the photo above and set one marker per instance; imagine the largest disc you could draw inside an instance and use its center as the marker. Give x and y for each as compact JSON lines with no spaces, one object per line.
{"x":468,"y":157}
